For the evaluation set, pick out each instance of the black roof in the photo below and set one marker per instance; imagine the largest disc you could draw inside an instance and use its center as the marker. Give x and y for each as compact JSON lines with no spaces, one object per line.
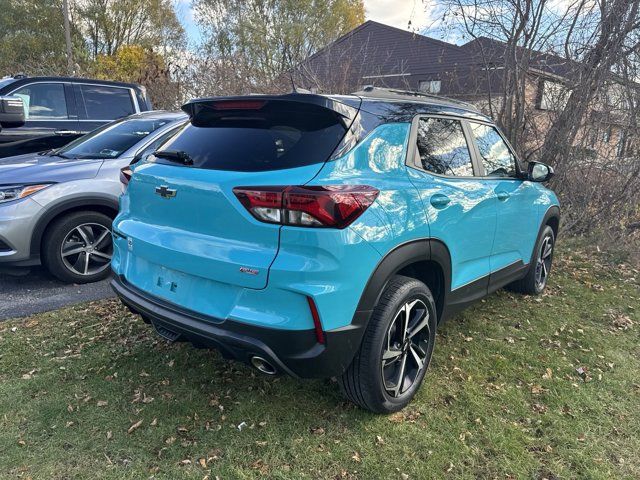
{"x":22,"y":80}
{"x":403,"y":105}
{"x":388,"y":104}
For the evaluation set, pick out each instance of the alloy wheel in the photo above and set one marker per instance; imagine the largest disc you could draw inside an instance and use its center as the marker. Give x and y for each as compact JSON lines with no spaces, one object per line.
{"x":86,"y":250}
{"x":543,"y":264}
{"x":405,"y":348}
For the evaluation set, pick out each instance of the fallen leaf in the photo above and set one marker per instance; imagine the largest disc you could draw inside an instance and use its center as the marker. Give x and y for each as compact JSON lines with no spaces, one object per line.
{"x":102,"y":403}
{"x":135,"y":426}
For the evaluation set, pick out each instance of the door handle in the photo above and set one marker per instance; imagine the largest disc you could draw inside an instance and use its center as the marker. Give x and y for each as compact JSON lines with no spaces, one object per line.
{"x":440,"y":201}
{"x":502,"y":196}
{"x":67,"y":132}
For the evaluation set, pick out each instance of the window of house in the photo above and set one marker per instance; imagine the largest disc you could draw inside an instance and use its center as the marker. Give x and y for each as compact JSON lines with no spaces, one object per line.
{"x":496,"y":156}
{"x":106,"y":103}
{"x":442,"y":147}
{"x":430,"y":86}
{"x":553,"y":95}
{"x":43,"y":101}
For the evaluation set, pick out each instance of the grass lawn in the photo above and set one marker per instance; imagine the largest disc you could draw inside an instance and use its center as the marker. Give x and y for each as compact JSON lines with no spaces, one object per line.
{"x":519,"y":387}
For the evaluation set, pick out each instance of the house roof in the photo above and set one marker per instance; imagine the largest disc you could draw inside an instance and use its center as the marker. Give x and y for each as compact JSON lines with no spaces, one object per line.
{"x":382,"y":49}
{"x":374,"y":53}
{"x":490,"y":51}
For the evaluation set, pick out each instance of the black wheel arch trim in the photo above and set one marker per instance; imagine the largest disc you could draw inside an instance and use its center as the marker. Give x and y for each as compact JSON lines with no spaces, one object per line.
{"x":552,"y":212}
{"x":66,"y":206}
{"x":427,"y":249}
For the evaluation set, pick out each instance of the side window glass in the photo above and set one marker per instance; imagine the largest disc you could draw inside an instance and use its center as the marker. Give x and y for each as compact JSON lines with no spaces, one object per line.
{"x":106,"y":103}
{"x":442,"y":147}
{"x":43,"y":101}
{"x":496,"y":157}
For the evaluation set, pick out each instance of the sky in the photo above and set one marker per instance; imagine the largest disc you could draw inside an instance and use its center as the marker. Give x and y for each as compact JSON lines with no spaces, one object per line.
{"x":397,"y":13}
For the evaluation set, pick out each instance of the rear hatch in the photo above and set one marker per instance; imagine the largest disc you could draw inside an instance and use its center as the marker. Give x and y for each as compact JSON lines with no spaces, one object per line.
{"x":185,"y":224}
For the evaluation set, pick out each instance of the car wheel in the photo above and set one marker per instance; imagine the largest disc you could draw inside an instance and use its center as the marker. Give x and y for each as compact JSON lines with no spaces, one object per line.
{"x":537,"y":276}
{"x":77,"y":248}
{"x":395,"y":353}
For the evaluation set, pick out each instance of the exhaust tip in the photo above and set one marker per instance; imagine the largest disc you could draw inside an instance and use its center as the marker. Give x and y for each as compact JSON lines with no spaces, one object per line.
{"x":263,"y":365}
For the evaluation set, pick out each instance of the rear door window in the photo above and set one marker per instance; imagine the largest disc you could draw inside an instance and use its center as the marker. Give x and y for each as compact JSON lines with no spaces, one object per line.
{"x":43,"y":101}
{"x":105,"y":103}
{"x":442,"y":147}
{"x":274,"y":136}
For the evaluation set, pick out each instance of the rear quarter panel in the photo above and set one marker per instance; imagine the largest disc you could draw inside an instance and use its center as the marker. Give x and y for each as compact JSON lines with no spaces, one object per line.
{"x":334,"y":266}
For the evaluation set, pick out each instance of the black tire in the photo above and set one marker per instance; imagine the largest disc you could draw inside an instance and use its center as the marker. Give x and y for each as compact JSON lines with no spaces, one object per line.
{"x":363,"y":381}
{"x":78,"y":231}
{"x":531,"y":284}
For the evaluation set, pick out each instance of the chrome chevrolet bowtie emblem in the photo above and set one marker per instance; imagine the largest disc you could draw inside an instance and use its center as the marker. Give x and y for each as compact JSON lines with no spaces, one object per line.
{"x":165,"y":192}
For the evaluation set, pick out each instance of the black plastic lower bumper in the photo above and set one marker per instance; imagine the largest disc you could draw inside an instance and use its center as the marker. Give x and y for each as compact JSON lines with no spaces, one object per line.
{"x":295,"y":352}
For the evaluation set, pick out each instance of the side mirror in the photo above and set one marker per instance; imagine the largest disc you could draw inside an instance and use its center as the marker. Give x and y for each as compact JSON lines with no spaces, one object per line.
{"x":11,"y":112}
{"x":539,"y":172}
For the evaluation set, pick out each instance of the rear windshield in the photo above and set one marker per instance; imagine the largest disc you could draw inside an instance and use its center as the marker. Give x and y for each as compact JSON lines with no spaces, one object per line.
{"x":275,"y":136}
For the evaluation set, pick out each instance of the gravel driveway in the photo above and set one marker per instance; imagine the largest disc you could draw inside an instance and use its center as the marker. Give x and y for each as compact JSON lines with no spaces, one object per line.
{"x":40,"y":292}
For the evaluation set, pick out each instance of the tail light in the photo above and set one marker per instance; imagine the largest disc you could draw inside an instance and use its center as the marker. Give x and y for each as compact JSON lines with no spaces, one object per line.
{"x":125,"y":175}
{"x":331,"y":206}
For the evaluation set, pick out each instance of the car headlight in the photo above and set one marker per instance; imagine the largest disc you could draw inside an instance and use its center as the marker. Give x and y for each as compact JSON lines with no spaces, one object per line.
{"x":14,"y":192}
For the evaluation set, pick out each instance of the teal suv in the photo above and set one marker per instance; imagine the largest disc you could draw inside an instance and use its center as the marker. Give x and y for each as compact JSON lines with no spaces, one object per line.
{"x":329,"y":236}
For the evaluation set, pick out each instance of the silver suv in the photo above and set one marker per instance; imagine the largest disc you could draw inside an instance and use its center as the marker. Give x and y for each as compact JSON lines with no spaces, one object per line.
{"x":56,"y":207}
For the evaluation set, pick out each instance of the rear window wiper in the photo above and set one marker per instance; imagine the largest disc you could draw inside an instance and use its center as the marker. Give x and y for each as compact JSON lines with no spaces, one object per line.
{"x":177,"y":156}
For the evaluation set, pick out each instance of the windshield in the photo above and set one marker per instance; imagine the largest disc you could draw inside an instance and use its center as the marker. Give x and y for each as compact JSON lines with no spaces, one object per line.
{"x":112,"y":140}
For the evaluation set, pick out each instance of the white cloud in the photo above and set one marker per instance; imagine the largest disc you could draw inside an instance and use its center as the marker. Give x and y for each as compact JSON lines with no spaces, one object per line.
{"x":398,"y":13}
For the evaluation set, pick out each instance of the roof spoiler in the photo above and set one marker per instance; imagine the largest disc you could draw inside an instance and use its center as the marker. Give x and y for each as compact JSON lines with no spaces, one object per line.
{"x":346,"y":107}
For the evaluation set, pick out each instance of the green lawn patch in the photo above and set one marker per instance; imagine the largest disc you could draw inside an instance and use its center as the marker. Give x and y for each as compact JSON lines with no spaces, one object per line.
{"x":519,"y":387}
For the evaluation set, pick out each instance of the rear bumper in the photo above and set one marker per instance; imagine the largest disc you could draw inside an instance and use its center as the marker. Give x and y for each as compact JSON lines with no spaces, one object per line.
{"x":295,"y":352}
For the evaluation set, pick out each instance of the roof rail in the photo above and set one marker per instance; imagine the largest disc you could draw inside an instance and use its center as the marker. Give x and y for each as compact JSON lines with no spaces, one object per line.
{"x":371,"y":91}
